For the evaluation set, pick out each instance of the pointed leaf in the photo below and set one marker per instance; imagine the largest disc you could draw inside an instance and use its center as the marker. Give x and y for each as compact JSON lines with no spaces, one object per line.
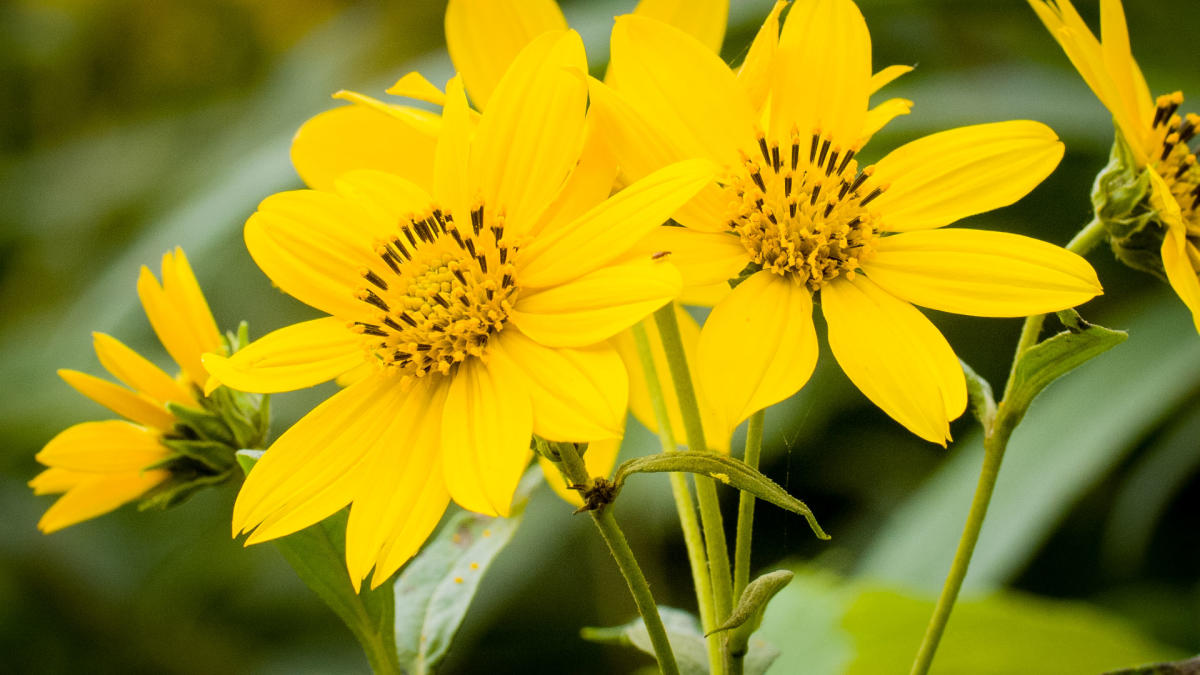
{"x":728,"y":470}
{"x":1047,"y":361}
{"x":979,"y":391}
{"x":754,"y":601}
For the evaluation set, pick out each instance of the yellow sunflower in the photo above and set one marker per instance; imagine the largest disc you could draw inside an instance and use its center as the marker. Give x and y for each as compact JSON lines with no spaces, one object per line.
{"x":480,"y":309}
{"x":1156,"y":135}
{"x":795,"y":216}
{"x":102,"y":465}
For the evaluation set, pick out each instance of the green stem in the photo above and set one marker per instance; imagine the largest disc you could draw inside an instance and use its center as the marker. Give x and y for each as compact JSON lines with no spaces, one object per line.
{"x":692,"y":538}
{"x":745,"y":524}
{"x":706,"y":491}
{"x":571,"y":465}
{"x":995,"y":442}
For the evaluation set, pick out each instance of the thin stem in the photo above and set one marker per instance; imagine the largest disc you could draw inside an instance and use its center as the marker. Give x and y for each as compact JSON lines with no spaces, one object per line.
{"x":684,"y":505}
{"x":571,"y":465}
{"x":745,"y":524}
{"x":706,"y":491}
{"x":995,"y":442}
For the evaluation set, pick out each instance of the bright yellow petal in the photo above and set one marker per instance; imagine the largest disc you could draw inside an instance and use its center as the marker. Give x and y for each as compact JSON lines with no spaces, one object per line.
{"x":387,"y":198}
{"x":138,"y":373}
{"x":936,"y":180}
{"x":822,"y":72}
{"x":56,"y":480}
{"x":485,"y":36}
{"x":612,"y":227}
{"x":127,"y":404}
{"x":452,"y":161}
{"x":599,"y":460}
{"x":590,"y":183}
{"x":706,"y":261}
{"x":704,"y":20}
{"x":981,"y":273}
{"x":888,"y":75}
{"x":597,"y":305}
{"x":314,"y":246}
{"x":414,"y":85}
{"x":298,"y":356}
{"x":486,"y":429}
{"x":640,"y":403}
{"x":97,"y":496}
{"x":113,"y":446}
{"x":1177,"y":252}
{"x":179,"y":314}
{"x":755,"y":72}
{"x":879,"y":116}
{"x":532,"y":132}
{"x":577,"y":394}
{"x":403,"y":466}
{"x":895,"y":356}
{"x":687,"y":88}
{"x":757,"y":348}
{"x":360,"y":137}
{"x":316,"y":467}
{"x":408,"y":535}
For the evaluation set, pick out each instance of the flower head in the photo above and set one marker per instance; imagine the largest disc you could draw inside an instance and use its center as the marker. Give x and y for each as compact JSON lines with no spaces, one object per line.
{"x":795,"y":216}
{"x":163,"y":450}
{"x":476,"y":308}
{"x":1153,"y":135}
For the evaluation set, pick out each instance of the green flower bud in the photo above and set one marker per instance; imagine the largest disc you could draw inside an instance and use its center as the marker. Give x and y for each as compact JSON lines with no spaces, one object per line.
{"x":1121,"y":199}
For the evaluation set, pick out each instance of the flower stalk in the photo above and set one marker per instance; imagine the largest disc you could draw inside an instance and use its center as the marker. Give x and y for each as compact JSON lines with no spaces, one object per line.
{"x":997,"y":432}
{"x":570,"y":462}
{"x":745,"y":524}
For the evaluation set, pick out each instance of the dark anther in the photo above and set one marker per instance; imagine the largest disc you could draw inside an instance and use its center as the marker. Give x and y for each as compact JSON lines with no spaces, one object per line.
{"x":874,"y":193}
{"x":845,"y":188}
{"x":812,"y":201}
{"x":503,"y":254}
{"x":792,"y":209}
{"x":424,"y":347}
{"x":470,"y":246}
{"x":787,"y":185}
{"x":762,"y":146}
{"x":858,"y":181}
{"x":389,"y":257}
{"x":812,"y":150}
{"x":496,"y":232}
{"x":390,"y":323}
{"x":795,"y":155}
{"x":462,"y":278}
{"x":401,"y":356}
{"x":480,"y":340}
{"x":828,"y":209}
{"x":437,"y":297}
{"x":457,"y":237}
{"x":489,"y":293}
{"x":1168,"y":146}
{"x":408,"y":319}
{"x":438,"y":328}
{"x":373,"y":299}
{"x":758,"y":179}
{"x":374,"y":278}
{"x":482,"y":262}
{"x":824,"y":151}
{"x":477,"y":219}
{"x":371,"y":329}
{"x":775,"y":163}
{"x":411,"y":239}
{"x":846,"y":160}
{"x":833,"y":157}
{"x":463,"y":299}
{"x":507,"y":280}
{"x":853,"y":222}
{"x":771,"y":217}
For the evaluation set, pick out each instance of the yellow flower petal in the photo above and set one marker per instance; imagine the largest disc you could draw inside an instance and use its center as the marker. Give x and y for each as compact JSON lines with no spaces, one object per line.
{"x":532,"y":131}
{"x":611,"y":227}
{"x":452,"y":160}
{"x":597,"y":305}
{"x":359,"y":137}
{"x":895,"y":356}
{"x":313,"y":245}
{"x":127,"y":404}
{"x":485,"y":36}
{"x":757,"y":348}
{"x":706,"y":261}
{"x":886,"y":76}
{"x":599,"y":460}
{"x":138,"y":373}
{"x":113,"y":446}
{"x":879,"y":116}
{"x":704,"y":20}
{"x":981,"y":273}
{"x":385,"y":197}
{"x":486,"y":428}
{"x":755,"y":72}
{"x":179,"y":314}
{"x":590,"y":183}
{"x":403,"y":480}
{"x":1178,"y":253}
{"x":640,"y":403}
{"x":295,"y":357}
{"x":577,"y":394}
{"x":317,"y":466}
{"x":56,"y":480}
{"x":822,"y":71}
{"x":97,"y":496}
{"x":687,"y":88}
{"x":414,"y":85}
{"x":938,"y":179}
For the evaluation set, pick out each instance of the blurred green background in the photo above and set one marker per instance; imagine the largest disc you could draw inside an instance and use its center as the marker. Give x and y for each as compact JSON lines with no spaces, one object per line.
{"x":132,"y":126}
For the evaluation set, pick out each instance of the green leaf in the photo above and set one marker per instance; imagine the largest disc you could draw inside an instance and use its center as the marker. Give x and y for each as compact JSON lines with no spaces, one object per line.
{"x":1049,"y":360}
{"x":720,"y":467}
{"x":1078,"y":432}
{"x":683,"y":631}
{"x":983,"y":402}
{"x":318,"y":555}
{"x":434,"y":590}
{"x":754,"y":600}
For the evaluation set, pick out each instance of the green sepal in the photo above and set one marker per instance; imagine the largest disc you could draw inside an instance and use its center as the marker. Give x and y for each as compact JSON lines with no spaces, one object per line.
{"x":687,"y":642}
{"x":728,"y":470}
{"x":215,"y":456}
{"x":750,"y":607}
{"x":203,"y":424}
{"x":179,"y":487}
{"x":1050,"y":359}
{"x":1121,"y":200}
{"x":979,"y":392}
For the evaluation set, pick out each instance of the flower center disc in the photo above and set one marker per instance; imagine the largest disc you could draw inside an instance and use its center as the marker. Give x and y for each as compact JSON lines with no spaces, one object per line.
{"x":438,"y":293}
{"x":801,"y":212}
{"x":1176,"y":161}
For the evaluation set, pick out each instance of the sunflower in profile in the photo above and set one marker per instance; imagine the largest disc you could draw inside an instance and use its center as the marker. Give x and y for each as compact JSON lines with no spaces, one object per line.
{"x":1156,"y":136}
{"x":795,"y":218}
{"x":478,"y":310}
{"x":153,"y":455}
